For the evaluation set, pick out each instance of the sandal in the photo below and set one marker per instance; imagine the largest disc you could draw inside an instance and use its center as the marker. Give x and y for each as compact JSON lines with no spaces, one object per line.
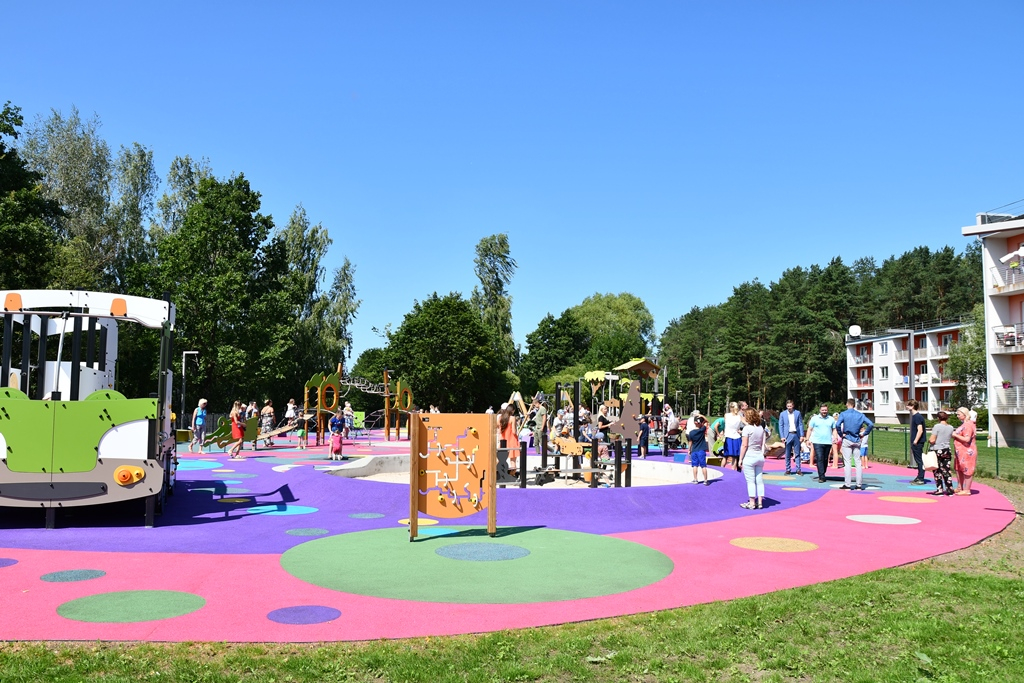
{"x":748,"y":506}
{"x":758,"y":506}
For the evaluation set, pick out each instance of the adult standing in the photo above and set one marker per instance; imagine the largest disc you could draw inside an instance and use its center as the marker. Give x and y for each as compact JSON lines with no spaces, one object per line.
{"x":349,"y":416}
{"x":851,"y":425}
{"x":942,"y":432}
{"x":791,"y":431}
{"x":917,"y":437}
{"x":540,"y":424}
{"x":198,"y":426}
{"x":966,"y":451}
{"x":752,"y":459}
{"x":820,"y":432}
{"x":267,"y":421}
{"x":733,"y":425}
{"x":237,"y":430}
{"x":603,"y":423}
{"x":507,"y":432}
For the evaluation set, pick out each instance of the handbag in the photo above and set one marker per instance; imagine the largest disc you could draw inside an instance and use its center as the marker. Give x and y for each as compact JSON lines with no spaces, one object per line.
{"x":930,"y":461}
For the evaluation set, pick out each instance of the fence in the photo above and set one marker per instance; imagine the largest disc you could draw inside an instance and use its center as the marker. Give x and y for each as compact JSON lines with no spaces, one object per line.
{"x":892,"y":444}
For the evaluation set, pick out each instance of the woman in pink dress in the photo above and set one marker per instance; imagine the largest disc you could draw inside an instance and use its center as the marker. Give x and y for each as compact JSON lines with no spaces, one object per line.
{"x":966,"y":451}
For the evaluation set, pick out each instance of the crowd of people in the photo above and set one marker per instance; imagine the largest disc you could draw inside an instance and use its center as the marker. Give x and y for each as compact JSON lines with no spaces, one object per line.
{"x":740,"y":436}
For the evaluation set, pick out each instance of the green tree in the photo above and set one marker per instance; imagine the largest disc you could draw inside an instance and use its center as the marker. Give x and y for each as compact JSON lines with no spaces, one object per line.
{"x":225,"y":273}
{"x":619,"y":317}
{"x":444,"y":352}
{"x":556,"y":344}
{"x":182,"y":191}
{"x":75,"y":165}
{"x":967,"y":361}
{"x":136,"y":181}
{"x":30,"y":245}
{"x":494,"y":267}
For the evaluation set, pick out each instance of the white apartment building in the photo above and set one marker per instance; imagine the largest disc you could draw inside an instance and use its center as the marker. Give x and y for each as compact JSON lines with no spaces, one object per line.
{"x":887,"y":368}
{"x":1002,"y":239}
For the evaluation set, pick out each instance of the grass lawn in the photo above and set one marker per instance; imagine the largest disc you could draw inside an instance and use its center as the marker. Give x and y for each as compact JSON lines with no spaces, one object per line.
{"x":956,"y":617}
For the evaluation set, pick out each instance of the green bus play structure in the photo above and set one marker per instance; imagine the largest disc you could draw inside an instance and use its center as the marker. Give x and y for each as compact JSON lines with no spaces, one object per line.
{"x":67,"y":437}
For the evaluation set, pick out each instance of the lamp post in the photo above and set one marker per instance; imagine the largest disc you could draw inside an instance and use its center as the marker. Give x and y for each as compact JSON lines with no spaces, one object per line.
{"x":181,"y":420}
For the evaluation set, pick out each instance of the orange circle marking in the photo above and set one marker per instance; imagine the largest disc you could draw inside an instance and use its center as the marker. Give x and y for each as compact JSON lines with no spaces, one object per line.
{"x":906,"y":499}
{"x":771,"y":544}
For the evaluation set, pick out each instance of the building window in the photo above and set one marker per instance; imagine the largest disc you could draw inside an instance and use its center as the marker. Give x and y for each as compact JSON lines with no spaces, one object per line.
{"x":922,"y":369}
{"x":947,"y":339}
{"x":883,"y":348}
{"x":885,"y":373}
{"x":885,"y":398}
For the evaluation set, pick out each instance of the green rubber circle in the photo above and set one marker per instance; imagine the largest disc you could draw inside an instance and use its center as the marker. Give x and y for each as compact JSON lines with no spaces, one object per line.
{"x":561,"y":565}
{"x":129,"y":607}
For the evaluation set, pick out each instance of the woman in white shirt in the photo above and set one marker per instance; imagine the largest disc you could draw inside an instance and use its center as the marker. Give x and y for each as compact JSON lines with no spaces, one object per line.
{"x":733,"y":425}
{"x":752,"y":459}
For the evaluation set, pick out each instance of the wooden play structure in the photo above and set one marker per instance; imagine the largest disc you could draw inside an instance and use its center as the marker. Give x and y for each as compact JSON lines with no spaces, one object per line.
{"x":453,"y":462}
{"x":68,"y":438}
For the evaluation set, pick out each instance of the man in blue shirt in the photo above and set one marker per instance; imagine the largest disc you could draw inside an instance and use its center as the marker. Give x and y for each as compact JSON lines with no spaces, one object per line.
{"x":791,"y":430}
{"x":820,"y":435}
{"x":852,"y":425}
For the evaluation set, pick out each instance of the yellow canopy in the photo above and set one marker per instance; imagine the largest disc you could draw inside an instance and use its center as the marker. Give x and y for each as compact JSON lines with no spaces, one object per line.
{"x":641,"y":366}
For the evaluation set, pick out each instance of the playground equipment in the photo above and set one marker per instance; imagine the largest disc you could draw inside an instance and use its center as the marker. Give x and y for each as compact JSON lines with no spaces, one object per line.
{"x":453,"y":463}
{"x":67,"y":437}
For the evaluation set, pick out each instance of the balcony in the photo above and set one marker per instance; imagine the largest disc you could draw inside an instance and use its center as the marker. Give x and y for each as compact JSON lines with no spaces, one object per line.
{"x":864,"y":359}
{"x":920,"y":354}
{"x":1007,"y":279}
{"x":861,"y":383}
{"x":1007,"y":401}
{"x":940,"y":351}
{"x":942,"y":378}
{"x":901,"y":407}
{"x":901,"y":381}
{"x":1007,"y":339}
{"x":865,"y":406}
{"x":921,"y":380}
{"x":902,"y":355}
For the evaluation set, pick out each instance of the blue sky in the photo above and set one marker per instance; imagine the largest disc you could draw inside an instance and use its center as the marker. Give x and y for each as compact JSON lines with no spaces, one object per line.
{"x":668,"y":149}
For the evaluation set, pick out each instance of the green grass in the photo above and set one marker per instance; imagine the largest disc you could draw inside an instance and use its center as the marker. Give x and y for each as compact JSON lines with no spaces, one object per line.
{"x":889,"y":446}
{"x":892,"y":625}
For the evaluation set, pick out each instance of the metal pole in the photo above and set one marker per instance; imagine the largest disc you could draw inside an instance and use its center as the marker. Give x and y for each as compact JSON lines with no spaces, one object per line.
{"x":906,"y":458}
{"x":629,"y":463}
{"x":997,"y":454}
{"x":181,"y":418}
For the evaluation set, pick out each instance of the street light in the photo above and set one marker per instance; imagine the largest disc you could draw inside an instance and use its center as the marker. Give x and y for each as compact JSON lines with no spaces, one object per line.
{"x":181,"y":419}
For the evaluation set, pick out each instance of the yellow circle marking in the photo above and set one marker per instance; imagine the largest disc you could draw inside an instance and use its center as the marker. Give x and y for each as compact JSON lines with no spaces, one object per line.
{"x":793,"y":488}
{"x":222,"y":470}
{"x":422,"y":522}
{"x":235,"y":500}
{"x":778,"y":477}
{"x":905,"y":499}
{"x":770,"y":544}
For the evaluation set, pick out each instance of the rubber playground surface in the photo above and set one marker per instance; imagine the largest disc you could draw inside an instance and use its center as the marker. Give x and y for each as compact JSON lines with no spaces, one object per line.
{"x":272,"y":549}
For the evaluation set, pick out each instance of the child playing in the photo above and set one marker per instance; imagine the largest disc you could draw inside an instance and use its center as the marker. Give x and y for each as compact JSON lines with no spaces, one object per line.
{"x":300,"y":433}
{"x":864,"y":451}
{"x":699,"y":448}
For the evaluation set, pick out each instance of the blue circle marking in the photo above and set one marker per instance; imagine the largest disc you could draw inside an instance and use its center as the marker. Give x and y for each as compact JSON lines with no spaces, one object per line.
{"x":73,"y":575}
{"x":281,"y":509}
{"x":366,"y":515}
{"x":482,"y":552}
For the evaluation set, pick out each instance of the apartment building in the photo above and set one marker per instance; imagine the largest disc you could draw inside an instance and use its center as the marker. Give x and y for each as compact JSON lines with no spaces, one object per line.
{"x":1002,"y":239}
{"x":887,"y":368}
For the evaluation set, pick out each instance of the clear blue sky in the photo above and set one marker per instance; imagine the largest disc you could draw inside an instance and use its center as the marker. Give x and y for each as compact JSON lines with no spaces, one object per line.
{"x":669,"y":149}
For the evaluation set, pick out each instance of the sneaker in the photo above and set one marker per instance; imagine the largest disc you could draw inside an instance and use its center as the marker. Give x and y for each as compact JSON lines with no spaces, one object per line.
{"x":821,"y":480}
{"x":844,"y":487}
{"x":799,"y":473}
{"x":788,"y":473}
{"x":707,"y":483}
{"x":918,"y":482}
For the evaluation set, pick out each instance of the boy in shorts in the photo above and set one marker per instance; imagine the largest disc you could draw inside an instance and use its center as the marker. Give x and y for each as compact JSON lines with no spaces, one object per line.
{"x":698,"y":437}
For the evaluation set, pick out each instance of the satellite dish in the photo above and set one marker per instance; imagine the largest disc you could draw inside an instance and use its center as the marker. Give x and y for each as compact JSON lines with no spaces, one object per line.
{"x":855,"y":330}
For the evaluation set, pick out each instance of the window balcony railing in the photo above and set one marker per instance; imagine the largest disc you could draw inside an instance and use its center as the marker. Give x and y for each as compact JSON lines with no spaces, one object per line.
{"x":1005,"y":276}
{"x":901,"y":407}
{"x":1008,"y":338}
{"x":863,"y":359}
{"x":1007,"y":401}
{"x":920,"y":353}
{"x":902,"y":381}
{"x":942,"y":378}
{"x":941,"y":350}
{"x":866,"y":406}
{"x":902,"y":355}
{"x":863,"y":382}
